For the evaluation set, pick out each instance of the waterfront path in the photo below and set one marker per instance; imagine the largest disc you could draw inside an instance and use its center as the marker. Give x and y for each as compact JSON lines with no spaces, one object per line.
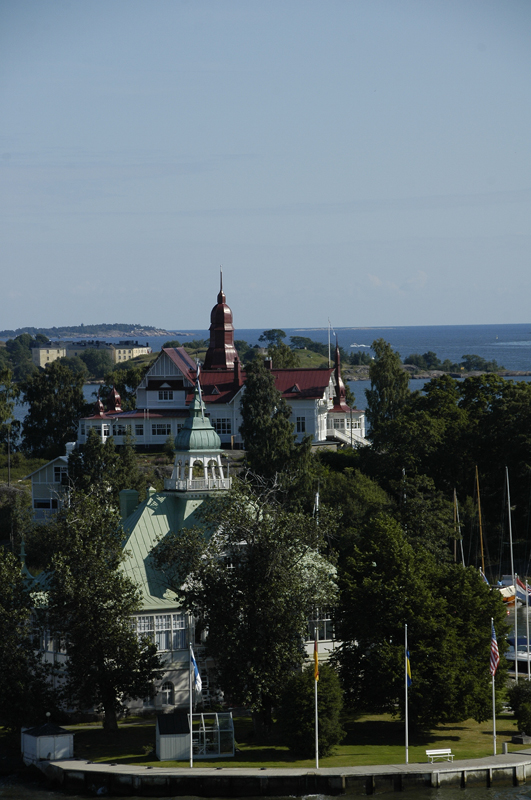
{"x":202,"y":781}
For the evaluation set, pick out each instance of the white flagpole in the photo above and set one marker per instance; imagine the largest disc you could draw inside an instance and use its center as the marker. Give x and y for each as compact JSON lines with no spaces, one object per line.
{"x":527,"y":629}
{"x":191,"y":704}
{"x":493,"y":702}
{"x":515,"y":627}
{"x":405,"y":674}
{"x":315,"y":680}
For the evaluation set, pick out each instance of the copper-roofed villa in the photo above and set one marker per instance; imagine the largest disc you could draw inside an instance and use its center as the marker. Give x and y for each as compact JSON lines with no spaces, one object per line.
{"x":200,"y":409}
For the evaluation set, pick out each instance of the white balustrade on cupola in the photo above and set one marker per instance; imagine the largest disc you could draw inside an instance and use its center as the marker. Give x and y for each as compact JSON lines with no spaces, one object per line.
{"x":197,"y":465}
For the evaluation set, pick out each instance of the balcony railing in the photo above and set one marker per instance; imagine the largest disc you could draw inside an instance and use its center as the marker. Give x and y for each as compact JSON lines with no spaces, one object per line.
{"x":196,"y":484}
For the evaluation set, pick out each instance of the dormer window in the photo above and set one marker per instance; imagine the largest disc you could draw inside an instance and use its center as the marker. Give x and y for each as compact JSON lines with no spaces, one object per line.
{"x":165,"y":394}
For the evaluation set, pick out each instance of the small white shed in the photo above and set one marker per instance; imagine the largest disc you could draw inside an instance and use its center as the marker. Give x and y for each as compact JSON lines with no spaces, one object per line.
{"x":213,"y":736}
{"x":46,"y":742}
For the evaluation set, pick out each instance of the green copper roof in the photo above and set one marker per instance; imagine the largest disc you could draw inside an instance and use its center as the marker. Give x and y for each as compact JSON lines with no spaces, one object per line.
{"x":157,"y":516}
{"x":197,"y":433}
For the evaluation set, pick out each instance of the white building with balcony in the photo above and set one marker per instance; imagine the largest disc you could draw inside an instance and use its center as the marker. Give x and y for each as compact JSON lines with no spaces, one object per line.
{"x":316,"y":396}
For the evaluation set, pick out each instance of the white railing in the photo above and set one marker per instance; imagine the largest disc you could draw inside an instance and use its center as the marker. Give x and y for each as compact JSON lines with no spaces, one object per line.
{"x":196,"y":484}
{"x":347,"y":437}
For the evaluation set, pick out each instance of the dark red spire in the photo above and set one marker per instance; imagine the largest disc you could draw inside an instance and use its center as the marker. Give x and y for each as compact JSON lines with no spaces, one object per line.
{"x":221,"y":352}
{"x":114,"y":403}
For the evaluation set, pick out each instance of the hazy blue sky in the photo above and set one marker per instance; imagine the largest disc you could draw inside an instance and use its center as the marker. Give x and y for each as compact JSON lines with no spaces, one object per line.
{"x":367,"y":161}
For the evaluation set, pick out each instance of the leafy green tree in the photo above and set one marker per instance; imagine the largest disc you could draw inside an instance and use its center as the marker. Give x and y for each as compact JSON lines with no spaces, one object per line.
{"x":267,"y":432}
{"x":385,"y":584}
{"x":474,"y":363}
{"x":90,"y":604}
{"x":24,"y":690}
{"x":56,"y":401}
{"x":274,"y":336}
{"x":356,"y":498}
{"x":253,"y":581}
{"x":9,"y":394}
{"x":16,"y":514}
{"x":19,"y":350}
{"x":171,"y":343}
{"x":282,"y":356}
{"x":242,"y":347}
{"x":520,"y":701}
{"x":296,"y":715}
{"x":97,"y":361}
{"x":389,"y":390}
{"x":105,"y":468}
{"x":300,"y":342}
{"x":76,"y":364}
{"x":428,"y":360}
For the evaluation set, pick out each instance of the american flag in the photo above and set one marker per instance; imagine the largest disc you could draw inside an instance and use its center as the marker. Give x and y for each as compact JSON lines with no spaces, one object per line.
{"x":494,"y":652}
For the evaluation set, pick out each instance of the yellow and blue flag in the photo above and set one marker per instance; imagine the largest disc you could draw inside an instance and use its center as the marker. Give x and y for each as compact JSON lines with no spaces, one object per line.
{"x":408,"y":670}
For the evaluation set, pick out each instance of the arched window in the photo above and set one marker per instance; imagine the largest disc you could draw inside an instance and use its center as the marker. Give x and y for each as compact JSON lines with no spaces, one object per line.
{"x":167,"y":694}
{"x":198,"y":470}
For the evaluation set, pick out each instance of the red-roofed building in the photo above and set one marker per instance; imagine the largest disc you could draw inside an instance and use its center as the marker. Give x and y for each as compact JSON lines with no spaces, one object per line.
{"x":317,"y":396}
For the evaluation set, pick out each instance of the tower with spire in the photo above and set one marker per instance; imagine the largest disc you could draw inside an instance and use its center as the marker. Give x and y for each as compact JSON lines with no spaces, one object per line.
{"x":221,"y":352}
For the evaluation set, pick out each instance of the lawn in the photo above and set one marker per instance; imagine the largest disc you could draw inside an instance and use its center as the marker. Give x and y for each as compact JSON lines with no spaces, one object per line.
{"x":371,"y":739}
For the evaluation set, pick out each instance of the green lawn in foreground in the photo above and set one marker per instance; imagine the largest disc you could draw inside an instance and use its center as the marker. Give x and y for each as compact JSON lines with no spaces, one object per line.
{"x":371,"y":739}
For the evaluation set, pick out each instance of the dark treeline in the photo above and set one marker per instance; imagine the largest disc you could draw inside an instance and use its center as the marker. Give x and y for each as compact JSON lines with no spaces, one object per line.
{"x":81,"y":330}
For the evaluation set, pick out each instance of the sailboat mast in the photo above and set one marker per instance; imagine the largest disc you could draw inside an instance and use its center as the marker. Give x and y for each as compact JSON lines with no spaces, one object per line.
{"x":510,"y":526}
{"x":480,"y":524}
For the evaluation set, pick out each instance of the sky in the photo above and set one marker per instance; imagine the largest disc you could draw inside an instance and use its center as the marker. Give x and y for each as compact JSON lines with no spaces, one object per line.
{"x":366,"y":162}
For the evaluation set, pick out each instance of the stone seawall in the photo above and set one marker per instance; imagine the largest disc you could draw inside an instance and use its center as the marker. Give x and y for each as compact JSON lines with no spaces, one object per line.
{"x":116,"y":780}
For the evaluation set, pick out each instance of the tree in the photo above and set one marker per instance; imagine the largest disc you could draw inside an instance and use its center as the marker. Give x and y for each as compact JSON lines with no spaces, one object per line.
{"x":90,"y":604}
{"x":56,"y":401}
{"x":105,"y":468}
{"x":273,"y":336}
{"x":300,"y":342}
{"x":97,"y":361}
{"x":296,"y":714}
{"x":282,"y":356}
{"x":389,"y":386}
{"x":16,"y":514}
{"x":520,"y":700}
{"x":76,"y":364}
{"x":387,"y":583}
{"x":19,"y":350}
{"x":266,"y":428}
{"x":24,"y":690}
{"x":253,"y":580}
{"x":9,"y":394}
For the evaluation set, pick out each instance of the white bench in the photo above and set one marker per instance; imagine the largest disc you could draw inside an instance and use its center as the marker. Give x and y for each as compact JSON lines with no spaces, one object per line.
{"x":446,"y":754}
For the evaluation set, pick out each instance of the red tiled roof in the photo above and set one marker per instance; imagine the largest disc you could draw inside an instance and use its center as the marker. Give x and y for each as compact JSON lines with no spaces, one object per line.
{"x":312,"y":383}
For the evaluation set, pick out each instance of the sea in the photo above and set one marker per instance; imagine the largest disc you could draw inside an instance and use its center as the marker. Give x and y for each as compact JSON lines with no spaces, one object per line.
{"x":13,"y":788}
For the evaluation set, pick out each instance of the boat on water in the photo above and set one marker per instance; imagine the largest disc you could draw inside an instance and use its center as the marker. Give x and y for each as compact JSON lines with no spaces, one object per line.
{"x":522,"y":656}
{"x":509,"y":595}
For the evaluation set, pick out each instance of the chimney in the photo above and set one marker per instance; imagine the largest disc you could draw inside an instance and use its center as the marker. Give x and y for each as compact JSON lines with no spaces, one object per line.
{"x":128,"y":502}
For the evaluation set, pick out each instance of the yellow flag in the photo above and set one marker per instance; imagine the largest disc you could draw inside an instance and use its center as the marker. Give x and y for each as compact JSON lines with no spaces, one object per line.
{"x":315,"y":661}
